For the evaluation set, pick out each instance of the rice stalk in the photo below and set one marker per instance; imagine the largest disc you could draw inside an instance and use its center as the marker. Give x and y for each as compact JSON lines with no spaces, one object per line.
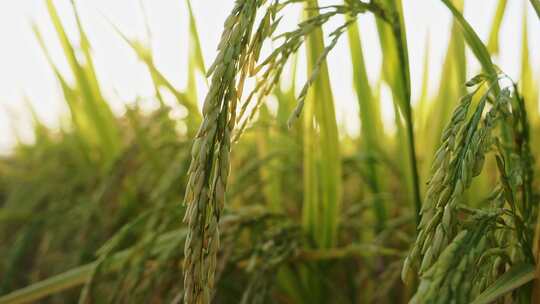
{"x":209,"y":169}
{"x":536,"y":5}
{"x":391,"y":28}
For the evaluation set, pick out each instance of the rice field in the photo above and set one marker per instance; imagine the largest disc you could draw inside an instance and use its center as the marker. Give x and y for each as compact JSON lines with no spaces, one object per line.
{"x":256,"y":195}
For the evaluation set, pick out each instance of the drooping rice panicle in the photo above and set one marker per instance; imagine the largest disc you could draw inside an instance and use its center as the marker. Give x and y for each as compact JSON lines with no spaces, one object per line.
{"x":209,"y":169}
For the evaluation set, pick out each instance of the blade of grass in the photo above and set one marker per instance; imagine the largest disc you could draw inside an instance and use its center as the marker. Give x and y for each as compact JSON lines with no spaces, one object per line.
{"x":493,"y":42}
{"x":477,"y":46}
{"x":87,"y":135}
{"x":370,"y":120}
{"x":101,"y":104}
{"x":195,"y":58}
{"x":159,"y":80}
{"x":422,"y":108}
{"x":536,"y":6}
{"x":528,"y":88}
{"x":144,"y":51}
{"x":93,"y":103}
{"x":195,"y":63}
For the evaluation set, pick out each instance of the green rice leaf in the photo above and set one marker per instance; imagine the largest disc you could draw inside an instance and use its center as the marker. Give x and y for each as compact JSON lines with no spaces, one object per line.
{"x":92,"y":105}
{"x":536,"y":6}
{"x":493,"y":42}
{"x":472,"y":39}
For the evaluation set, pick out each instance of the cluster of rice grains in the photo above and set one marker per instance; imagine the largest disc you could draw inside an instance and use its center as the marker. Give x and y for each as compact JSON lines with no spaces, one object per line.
{"x":205,"y":193}
{"x":448,"y":245}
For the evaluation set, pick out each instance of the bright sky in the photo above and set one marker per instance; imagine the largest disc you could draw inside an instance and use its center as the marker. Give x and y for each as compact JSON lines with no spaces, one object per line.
{"x":25,"y":74}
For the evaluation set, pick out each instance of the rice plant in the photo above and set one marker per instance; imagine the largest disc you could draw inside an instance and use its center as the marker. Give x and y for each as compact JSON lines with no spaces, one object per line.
{"x":257,"y":196}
